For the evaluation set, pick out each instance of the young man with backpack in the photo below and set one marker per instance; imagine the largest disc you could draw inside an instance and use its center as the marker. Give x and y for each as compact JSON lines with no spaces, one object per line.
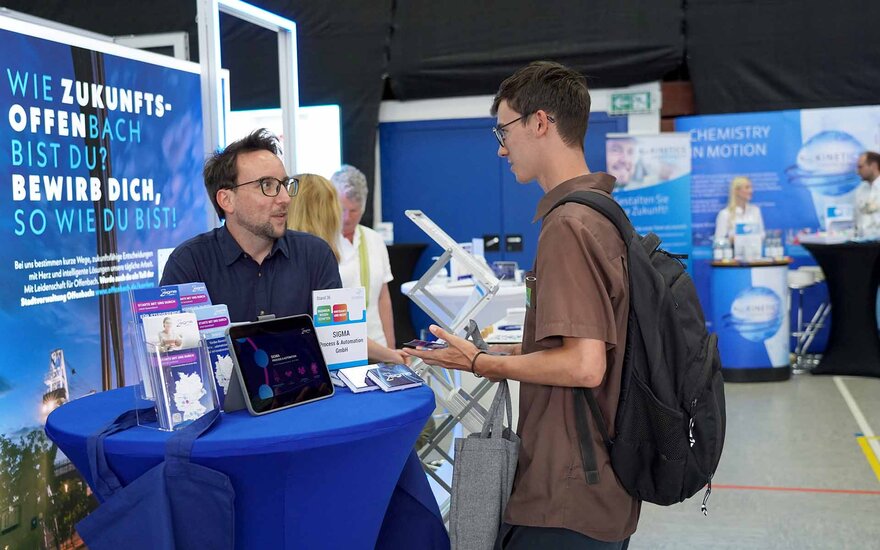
{"x":575,"y":332}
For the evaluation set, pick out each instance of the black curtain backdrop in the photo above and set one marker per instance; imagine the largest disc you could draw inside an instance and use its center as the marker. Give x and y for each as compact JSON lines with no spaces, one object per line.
{"x":461,"y":47}
{"x":342,"y":49}
{"x":742,"y":55}
{"x":783,"y":54}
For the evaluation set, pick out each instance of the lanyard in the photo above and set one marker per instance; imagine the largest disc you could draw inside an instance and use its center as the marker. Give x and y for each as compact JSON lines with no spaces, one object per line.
{"x":365,"y":264}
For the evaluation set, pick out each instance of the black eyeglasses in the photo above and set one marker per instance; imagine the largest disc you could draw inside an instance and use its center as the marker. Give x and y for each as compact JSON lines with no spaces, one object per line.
{"x":499,"y":131}
{"x":272,"y":186}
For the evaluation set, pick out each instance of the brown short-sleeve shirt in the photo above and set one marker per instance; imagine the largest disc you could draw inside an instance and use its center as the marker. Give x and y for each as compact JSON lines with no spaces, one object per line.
{"x":579,"y":289}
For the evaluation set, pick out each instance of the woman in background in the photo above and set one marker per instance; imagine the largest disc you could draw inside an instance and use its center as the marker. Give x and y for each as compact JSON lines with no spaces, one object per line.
{"x":739,"y":210}
{"x":315,"y":209}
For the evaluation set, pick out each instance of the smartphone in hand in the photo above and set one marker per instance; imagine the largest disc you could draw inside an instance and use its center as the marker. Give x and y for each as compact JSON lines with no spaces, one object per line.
{"x":424,"y":344}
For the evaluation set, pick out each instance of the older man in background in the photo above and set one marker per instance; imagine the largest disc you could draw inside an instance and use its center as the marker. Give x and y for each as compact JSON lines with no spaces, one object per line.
{"x":363,"y":256}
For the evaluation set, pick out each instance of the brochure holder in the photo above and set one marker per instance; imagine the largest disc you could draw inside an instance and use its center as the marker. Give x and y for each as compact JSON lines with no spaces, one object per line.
{"x":179,"y":384}
{"x":486,"y":284}
{"x":462,"y":407}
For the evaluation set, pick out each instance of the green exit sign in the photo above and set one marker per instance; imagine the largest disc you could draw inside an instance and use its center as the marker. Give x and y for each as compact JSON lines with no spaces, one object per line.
{"x":629,"y":103}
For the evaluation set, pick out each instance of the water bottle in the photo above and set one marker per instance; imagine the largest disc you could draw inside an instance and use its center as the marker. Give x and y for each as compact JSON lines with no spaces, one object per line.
{"x":780,"y":245}
{"x":777,"y":250}
{"x":727,"y":250}
{"x":717,"y":250}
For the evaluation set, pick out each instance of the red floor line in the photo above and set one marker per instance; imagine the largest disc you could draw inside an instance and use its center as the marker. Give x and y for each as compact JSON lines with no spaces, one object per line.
{"x":795,"y":489}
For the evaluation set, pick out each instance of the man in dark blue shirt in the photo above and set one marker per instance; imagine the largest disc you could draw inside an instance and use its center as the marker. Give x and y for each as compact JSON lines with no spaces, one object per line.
{"x":254,"y":264}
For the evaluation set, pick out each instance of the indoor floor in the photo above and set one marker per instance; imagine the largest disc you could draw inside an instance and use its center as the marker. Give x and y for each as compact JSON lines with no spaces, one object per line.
{"x":799,"y":470}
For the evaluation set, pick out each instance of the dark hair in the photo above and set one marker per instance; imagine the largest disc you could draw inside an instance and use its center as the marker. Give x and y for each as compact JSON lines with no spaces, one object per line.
{"x":556,"y":89}
{"x":220,"y":169}
{"x":872,"y":158}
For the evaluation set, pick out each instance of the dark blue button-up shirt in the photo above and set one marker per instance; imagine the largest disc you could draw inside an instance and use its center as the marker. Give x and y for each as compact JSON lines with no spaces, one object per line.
{"x":298,"y":264}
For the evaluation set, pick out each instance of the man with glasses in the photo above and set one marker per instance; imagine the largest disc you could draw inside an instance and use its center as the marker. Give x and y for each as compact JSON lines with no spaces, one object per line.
{"x":577,"y":304}
{"x":253,"y":263}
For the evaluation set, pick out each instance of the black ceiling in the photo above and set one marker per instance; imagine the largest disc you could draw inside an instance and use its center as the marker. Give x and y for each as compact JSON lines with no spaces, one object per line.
{"x":741,"y":55}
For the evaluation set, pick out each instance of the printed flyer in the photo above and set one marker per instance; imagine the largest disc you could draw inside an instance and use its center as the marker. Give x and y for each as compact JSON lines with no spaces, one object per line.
{"x":340,"y":317}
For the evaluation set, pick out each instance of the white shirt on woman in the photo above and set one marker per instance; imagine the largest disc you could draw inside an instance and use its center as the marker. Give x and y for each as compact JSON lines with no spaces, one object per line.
{"x":725,"y":227}
{"x":380,"y":274}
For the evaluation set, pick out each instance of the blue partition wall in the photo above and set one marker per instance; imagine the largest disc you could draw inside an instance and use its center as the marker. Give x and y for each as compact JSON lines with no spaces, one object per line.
{"x":451,"y":170}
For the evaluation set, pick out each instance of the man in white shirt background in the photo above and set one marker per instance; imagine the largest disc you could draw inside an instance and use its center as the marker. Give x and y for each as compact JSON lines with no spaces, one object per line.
{"x":363,"y":255}
{"x":868,"y":202}
{"x":868,"y":196}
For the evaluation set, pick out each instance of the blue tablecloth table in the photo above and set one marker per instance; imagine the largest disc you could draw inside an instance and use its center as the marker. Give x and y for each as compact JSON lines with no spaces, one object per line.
{"x":751,"y":320}
{"x":321,"y":475}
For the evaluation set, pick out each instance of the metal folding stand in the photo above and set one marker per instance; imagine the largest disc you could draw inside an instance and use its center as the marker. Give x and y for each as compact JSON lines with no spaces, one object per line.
{"x":461,"y":406}
{"x":434,"y":377}
{"x":805,"y":335}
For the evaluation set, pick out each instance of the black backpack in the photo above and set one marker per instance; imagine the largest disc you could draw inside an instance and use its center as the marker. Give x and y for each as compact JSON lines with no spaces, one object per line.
{"x":671,"y":418}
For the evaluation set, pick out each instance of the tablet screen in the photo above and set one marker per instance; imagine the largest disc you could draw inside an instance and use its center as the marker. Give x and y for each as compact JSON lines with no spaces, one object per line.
{"x":281,"y":362}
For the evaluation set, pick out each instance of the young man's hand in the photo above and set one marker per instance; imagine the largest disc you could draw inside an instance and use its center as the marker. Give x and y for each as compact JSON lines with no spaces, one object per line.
{"x":457,"y":356}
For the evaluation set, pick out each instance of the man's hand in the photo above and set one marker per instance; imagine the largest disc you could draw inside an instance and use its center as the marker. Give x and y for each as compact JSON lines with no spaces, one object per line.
{"x":457,"y":356}
{"x":376,"y":352}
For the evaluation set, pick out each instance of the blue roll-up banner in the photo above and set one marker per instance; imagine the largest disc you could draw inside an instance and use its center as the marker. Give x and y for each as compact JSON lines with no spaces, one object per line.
{"x":750,"y":316}
{"x":101,"y":152}
{"x":801,"y":163}
{"x":654,"y":184}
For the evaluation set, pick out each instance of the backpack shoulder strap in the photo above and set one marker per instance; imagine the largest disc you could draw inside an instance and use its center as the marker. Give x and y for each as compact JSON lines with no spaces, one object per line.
{"x":609,"y":208}
{"x":606,"y":206}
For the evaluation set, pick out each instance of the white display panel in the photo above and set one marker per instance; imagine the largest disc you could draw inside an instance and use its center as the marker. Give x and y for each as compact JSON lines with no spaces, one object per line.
{"x":319,"y":147}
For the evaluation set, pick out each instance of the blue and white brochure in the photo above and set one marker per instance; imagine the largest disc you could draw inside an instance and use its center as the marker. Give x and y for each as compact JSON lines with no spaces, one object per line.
{"x":178,"y":365}
{"x":151,"y":302}
{"x":213,"y":321}
{"x":394,"y":377}
{"x":146,"y":302}
{"x":193,"y":295}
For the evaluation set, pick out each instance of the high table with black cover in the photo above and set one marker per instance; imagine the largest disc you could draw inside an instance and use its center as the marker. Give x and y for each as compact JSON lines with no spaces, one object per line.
{"x":337,"y":473}
{"x":852,"y":272}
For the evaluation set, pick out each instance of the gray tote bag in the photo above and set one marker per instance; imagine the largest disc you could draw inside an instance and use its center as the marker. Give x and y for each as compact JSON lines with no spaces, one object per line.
{"x":482,"y":478}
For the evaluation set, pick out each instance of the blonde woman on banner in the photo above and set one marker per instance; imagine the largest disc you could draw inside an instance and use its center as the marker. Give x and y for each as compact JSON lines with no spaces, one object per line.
{"x":315,"y":209}
{"x":364,"y":260}
{"x":739,"y":210}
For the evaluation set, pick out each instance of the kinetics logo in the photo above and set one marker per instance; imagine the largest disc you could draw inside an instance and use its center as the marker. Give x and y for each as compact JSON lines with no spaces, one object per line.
{"x":756,"y":313}
{"x":827,"y":162}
